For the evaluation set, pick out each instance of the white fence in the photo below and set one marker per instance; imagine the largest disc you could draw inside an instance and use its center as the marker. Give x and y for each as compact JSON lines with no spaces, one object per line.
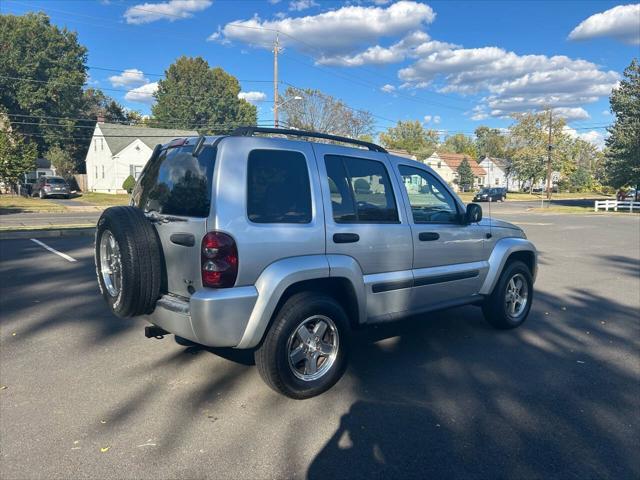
{"x":615,"y":205}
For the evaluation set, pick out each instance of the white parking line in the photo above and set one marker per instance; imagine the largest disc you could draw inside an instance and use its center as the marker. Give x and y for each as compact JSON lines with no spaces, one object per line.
{"x":53,"y":250}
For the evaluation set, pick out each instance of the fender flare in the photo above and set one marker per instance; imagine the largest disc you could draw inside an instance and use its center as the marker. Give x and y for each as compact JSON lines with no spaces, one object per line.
{"x":277,"y":277}
{"x":498,"y":258}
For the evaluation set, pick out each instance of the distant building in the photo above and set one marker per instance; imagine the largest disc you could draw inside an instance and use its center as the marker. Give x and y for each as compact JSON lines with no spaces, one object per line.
{"x":497,"y":175}
{"x":447,"y":164}
{"x":117,"y":151}
{"x":43,"y":167}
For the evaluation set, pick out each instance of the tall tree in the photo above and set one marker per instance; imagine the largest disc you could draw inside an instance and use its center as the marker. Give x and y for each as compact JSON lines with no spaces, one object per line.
{"x":490,"y":142}
{"x":313,"y":110}
{"x":623,"y":145}
{"x":459,"y":143}
{"x":17,"y":155}
{"x":528,"y":143}
{"x":61,"y":161}
{"x":412,"y":137}
{"x":465,"y":175}
{"x":195,"y":96}
{"x":41,"y":76}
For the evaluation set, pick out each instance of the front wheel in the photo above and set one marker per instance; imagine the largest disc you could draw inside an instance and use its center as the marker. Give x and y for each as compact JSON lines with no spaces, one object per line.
{"x":510,"y":302}
{"x":304,"y":353}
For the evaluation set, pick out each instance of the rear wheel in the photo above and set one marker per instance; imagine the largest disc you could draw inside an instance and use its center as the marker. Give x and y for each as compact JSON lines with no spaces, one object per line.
{"x":509,"y":304}
{"x":304,"y":353}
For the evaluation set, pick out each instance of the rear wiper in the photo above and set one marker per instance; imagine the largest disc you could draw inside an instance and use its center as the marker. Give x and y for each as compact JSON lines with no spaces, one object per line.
{"x":156,"y":217}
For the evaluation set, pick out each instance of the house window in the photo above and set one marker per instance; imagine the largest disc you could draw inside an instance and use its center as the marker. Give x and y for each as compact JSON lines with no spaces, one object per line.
{"x":497,"y":181}
{"x":95,"y":146}
{"x":102,"y":171}
{"x":439,"y":164}
{"x":96,"y":171}
{"x":102,"y":144}
{"x":135,"y":170}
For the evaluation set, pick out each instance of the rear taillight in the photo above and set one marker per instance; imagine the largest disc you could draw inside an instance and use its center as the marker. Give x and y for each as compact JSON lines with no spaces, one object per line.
{"x":219,"y":259}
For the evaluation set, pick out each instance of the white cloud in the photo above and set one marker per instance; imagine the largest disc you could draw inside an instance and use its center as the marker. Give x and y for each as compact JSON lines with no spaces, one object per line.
{"x":514,"y":83}
{"x":571,"y":114}
{"x":388,"y":88}
{"x":128,"y":78}
{"x":337,"y":32}
{"x":299,"y":5}
{"x":253,"y":97}
{"x":432,"y":118}
{"x":621,"y":22}
{"x":172,"y":10}
{"x":142,"y":94}
{"x":606,"y":113}
{"x":593,"y":136}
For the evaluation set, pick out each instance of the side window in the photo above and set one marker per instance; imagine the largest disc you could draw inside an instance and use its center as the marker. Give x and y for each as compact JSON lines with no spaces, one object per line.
{"x":430,"y":201}
{"x":360,"y":191}
{"x":278,"y":189}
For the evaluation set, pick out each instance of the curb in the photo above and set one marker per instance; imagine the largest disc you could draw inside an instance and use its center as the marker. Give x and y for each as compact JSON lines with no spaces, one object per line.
{"x":44,"y":233}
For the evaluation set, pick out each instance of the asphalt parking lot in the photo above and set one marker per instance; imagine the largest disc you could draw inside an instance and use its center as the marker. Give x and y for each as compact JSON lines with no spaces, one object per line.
{"x":87,"y":395}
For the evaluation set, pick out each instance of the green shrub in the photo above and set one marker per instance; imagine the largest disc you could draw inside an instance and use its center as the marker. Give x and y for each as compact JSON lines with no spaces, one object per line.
{"x":129,"y":184}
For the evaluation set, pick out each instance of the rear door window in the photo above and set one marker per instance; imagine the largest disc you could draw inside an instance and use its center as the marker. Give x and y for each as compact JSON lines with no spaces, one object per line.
{"x":360,"y":190}
{"x":177,"y":183}
{"x":278,"y":188}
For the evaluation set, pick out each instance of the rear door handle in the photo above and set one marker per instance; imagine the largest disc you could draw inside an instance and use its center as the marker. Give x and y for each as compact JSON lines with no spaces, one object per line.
{"x":345,"y":237}
{"x":428,"y":236}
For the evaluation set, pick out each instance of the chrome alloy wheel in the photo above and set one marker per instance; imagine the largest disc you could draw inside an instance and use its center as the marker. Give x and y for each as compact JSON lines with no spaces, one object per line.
{"x":313,"y":347}
{"x":516,"y":296}
{"x":110,"y":263}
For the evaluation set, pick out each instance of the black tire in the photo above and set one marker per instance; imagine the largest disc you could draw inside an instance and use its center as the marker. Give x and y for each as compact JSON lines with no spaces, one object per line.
{"x":140,"y":261}
{"x":272,"y":356}
{"x":185,"y":342}
{"x":495,"y":308}
{"x":66,"y":197}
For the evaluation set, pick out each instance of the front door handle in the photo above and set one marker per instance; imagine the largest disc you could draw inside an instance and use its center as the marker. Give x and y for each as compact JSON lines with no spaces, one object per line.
{"x":428,"y":236}
{"x":345,"y":237}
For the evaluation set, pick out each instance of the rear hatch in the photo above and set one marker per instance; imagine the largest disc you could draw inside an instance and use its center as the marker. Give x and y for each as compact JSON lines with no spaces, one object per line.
{"x":174,"y":191}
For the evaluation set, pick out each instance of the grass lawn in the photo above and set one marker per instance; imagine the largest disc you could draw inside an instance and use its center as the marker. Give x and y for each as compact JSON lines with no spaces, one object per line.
{"x":468,"y":196}
{"x":104,"y":199}
{"x":27,"y":204}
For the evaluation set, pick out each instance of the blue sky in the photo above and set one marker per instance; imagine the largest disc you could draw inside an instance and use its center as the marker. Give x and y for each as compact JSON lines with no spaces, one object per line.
{"x":452,"y":64}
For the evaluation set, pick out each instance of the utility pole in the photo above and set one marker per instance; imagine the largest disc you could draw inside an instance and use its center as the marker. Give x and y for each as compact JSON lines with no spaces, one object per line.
{"x":549,"y":148}
{"x":276,"y":50}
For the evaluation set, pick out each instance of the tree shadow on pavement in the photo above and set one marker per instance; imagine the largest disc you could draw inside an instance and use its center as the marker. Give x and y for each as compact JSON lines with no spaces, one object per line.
{"x":450,"y":397}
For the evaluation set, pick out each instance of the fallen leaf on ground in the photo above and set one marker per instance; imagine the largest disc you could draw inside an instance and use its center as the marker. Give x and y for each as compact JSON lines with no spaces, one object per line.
{"x":103,"y":421}
{"x":104,"y":449}
{"x":3,"y":387}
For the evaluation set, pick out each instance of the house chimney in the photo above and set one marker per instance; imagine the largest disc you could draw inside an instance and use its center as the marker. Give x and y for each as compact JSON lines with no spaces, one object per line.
{"x":100,"y":118}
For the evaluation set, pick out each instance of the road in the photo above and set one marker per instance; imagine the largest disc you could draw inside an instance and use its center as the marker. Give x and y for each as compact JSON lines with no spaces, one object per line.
{"x":431,"y":397}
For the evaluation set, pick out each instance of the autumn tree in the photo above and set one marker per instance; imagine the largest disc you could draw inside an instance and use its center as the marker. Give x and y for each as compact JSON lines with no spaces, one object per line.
{"x":195,"y":96}
{"x":623,"y":144}
{"x":308,"y":109}
{"x":490,"y":142}
{"x":459,"y":143}
{"x":412,"y":137}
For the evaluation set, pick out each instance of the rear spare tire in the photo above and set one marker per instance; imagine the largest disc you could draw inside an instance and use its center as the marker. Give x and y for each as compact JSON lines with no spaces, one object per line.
{"x":128,"y":261}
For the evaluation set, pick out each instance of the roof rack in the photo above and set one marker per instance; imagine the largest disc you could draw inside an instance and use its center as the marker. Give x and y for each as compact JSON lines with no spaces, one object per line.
{"x":249,"y":131}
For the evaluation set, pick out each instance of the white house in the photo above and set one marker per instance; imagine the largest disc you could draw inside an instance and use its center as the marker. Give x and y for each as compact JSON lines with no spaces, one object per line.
{"x":497,"y":175}
{"x":117,"y":151}
{"x":447,"y":164}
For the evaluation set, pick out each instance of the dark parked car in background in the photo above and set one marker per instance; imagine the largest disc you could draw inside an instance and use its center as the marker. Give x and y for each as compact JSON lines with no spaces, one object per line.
{"x":491,"y":195}
{"x":48,"y":186}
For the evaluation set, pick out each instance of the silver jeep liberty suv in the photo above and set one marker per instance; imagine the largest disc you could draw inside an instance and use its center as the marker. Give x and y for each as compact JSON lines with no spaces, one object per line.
{"x":284,"y":246}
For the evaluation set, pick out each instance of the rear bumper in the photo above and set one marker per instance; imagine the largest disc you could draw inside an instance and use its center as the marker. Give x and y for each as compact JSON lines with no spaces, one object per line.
{"x":216,"y":318}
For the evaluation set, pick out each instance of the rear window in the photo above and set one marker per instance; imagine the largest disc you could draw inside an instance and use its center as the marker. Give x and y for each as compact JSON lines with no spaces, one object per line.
{"x":177,"y":183}
{"x":278,"y":189}
{"x":55,"y":181}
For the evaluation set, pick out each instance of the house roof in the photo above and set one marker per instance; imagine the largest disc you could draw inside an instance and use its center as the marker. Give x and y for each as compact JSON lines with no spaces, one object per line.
{"x":119,"y":136}
{"x":453,"y":160}
{"x":43,"y":163}
{"x":500,"y":162}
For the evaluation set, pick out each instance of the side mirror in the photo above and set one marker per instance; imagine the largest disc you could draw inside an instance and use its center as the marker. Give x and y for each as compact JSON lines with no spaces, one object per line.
{"x":473,"y":213}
